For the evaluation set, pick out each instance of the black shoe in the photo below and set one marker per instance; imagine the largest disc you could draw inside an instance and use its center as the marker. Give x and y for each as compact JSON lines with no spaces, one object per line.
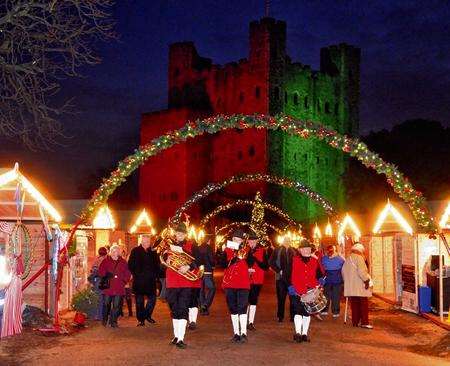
{"x":305,"y":338}
{"x":236,"y":338}
{"x":298,"y":338}
{"x":205,"y":312}
{"x":280,"y":320}
{"x":192,"y":326}
{"x":181,"y":344}
{"x":140,"y":324}
{"x":151,"y":320}
{"x":244,"y":338}
{"x":114,"y":325}
{"x":250,"y":326}
{"x":174,"y":341}
{"x":104,"y":323}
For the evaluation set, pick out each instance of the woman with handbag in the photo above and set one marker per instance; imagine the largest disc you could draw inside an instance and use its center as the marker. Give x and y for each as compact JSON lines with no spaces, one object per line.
{"x":114,"y":276}
{"x":357,"y":286}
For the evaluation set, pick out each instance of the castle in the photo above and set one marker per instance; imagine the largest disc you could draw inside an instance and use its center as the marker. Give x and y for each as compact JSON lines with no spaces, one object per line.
{"x":267,"y":82}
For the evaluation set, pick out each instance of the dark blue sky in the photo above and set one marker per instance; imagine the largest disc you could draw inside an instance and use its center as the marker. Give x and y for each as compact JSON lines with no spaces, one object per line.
{"x":405,"y":66}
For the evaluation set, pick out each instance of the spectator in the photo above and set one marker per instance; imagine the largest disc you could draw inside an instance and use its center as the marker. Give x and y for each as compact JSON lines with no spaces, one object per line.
{"x":94,"y":279}
{"x":115,"y":268}
{"x":357,"y":286}
{"x":332,"y":264}
{"x":208,"y":289}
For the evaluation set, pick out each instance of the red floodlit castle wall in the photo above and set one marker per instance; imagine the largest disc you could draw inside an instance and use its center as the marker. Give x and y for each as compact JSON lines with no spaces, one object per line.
{"x":198,"y":88}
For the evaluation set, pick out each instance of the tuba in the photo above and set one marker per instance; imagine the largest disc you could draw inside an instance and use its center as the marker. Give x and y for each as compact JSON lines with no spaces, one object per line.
{"x":176,"y":260}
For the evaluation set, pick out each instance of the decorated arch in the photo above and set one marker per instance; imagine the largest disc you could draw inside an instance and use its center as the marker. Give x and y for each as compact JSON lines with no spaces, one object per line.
{"x":225,"y":230}
{"x":268,"y":206}
{"x":273,"y":179}
{"x":304,"y":129}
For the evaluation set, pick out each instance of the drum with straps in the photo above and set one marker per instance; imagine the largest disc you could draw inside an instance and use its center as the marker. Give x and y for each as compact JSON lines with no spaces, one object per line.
{"x":314,"y":300}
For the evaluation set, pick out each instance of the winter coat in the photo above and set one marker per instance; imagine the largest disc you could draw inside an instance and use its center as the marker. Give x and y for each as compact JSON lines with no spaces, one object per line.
{"x":279,"y":260}
{"x":355,"y":273}
{"x":144,"y":266}
{"x":119,"y":274}
{"x":206,"y":257}
{"x":333,"y":267}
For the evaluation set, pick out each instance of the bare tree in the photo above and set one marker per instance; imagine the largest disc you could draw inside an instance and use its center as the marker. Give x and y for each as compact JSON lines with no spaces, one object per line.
{"x":41,"y":42}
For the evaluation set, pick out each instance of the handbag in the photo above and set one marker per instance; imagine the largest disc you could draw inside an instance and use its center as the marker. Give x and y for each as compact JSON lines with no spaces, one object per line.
{"x":105,"y":281}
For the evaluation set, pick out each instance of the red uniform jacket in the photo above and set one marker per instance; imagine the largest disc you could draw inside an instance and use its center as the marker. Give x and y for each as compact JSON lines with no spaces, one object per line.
{"x":236,"y":275}
{"x":120,"y":275}
{"x":304,"y":275}
{"x":174,"y":279}
{"x":257,"y":277}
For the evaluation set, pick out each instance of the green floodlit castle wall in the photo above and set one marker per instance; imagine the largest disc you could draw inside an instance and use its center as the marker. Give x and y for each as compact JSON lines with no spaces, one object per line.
{"x":329,"y":96}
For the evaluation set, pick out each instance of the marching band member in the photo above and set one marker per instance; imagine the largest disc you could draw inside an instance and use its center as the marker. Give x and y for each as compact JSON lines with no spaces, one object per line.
{"x":179,"y":289}
{"x":236,"y":283}
{"x":303,"y":274}
{"x":257,"y":266}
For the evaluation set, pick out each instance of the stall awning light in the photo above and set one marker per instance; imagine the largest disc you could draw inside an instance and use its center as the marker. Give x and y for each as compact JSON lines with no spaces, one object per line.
{"x":15,"y":175}
{"x":389,"y":209}
{"x":316,"y":232}
{"x":104,"y":219}
{"x":142,"y":220}
{"x":329,"y":229}
{"x":445,"y":219}
{"x":348,"y":223}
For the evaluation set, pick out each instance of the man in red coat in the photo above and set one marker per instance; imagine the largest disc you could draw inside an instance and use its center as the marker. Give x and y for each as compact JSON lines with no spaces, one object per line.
{"x":236,"y":283}
{"x":257,"y":266}
{"x":179,"y":289}
{"x":303,"y":273}
{"x":116,"y":268}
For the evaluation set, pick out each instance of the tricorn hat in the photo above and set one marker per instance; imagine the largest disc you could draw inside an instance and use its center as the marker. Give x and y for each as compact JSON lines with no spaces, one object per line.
{"x":238,"y":233}
{"x":181,"y":228}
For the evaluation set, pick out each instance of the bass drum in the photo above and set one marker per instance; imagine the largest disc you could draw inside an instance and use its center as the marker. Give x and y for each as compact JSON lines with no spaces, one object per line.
{"x":314,"y":300}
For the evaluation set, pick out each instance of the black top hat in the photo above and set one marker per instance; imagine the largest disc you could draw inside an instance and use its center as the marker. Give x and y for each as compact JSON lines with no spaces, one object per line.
{"x":181,"y":228}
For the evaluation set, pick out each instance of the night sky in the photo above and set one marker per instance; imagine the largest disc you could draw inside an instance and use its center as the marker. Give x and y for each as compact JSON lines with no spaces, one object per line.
{"x":405,"y":69}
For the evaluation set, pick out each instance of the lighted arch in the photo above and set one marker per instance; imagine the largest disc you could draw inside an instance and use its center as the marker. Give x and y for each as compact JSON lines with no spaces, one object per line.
{"x":228,"y":206}
{"x":247,"y":224}
{"x":303,"y":129}
{"x":284,"y":182}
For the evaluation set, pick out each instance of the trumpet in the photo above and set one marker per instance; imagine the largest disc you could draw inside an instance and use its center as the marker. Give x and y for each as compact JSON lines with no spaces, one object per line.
{"x":176,"y":260}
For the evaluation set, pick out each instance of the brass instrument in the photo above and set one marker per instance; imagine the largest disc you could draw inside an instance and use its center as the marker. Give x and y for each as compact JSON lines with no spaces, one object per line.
{"x":175,"y":260}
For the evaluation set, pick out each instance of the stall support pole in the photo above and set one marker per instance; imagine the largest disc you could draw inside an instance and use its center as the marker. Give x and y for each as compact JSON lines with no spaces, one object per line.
{"x":441,"y":284}
{"x":47,"y":260}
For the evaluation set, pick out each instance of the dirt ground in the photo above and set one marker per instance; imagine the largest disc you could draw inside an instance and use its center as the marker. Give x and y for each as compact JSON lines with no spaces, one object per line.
{"x":399,"y":338}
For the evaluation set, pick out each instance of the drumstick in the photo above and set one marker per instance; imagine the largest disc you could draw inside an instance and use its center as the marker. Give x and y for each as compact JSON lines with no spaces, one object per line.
{"x":346,"y":309}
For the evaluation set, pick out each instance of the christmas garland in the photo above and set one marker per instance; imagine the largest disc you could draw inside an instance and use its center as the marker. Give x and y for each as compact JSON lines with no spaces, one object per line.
{"x":229,"y":227}
{"x":284,"y":182}
{"x":228,"y":206}
{"x":304,"y":129}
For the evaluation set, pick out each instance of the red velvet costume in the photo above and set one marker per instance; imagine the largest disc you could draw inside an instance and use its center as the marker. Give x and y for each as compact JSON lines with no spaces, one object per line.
{"x":304,"y":275}
{"x":176,"y":280}
{"x":236,"y":275}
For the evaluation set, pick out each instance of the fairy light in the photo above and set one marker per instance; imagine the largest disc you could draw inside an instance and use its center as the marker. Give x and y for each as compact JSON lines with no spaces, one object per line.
{"x":349,"y":223}
{"x":445,"y":222}
{"x":316,"y":232}
{"x":142,"y":220}
{"x":389,"y":209}
{"x":104,"y":219}
{"x":329,"y":229}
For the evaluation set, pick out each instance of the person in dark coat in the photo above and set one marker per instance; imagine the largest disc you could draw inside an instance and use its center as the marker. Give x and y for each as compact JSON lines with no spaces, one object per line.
{"x":116,"y":269}
{"x":144,"y":265}
{"x":278,"y":262}
{"x":207,"y":259}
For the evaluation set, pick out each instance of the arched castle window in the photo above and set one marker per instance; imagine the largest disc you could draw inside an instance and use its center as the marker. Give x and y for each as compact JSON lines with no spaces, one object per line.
{"x":241,"y":97}
{"x":285,"y":97}
{"x":327,"y":108}
{"x":257,"y":92}
{"x":176,"y":72}
{"x":219,"y":103}
{"x":295,"y":98}
{"x":305,"y":102}
{"x":240,"y":155}
{"x":336,"y":109}
{"x":318,"y":105}
{"x":174,"y":196}
{"x":251,"y":151}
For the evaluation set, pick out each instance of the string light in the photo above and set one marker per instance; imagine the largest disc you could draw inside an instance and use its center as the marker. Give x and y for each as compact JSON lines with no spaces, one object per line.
{"x":142,"y":220}
{"x":329,"y":229}
{"x":349,"y":223}
{"x":389,"y":209}
{"x":316,"y":232}
{"x":445,"y":222}
{"x":104,"y":219}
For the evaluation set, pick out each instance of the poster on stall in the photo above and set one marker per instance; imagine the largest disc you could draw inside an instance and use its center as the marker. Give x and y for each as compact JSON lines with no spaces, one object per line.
{"x":409,"y":287}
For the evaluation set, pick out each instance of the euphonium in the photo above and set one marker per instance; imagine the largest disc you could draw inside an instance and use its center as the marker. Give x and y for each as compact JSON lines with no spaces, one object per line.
{"x":176,"y":260}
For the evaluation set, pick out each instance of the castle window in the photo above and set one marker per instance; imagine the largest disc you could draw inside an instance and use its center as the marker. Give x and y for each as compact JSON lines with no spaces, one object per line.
{"x":336,"y":109}
{"x":305,"y":157}
{"x":174,"y":196}
{"x":277,"y":93}
{"x":241,"y":97}
{"x":257,"y":92}
{"x":219,"y":103}
{"x":285,"y":97}
{"x":318,"y":160}
{"x":318,"y":106}
{"x":295,"y":98}
{"x":176,"y":72}
{"x":327,"y":107}
{"x":305,"y":103}
{"x":240,"y":155}
{"x":251,"y":151}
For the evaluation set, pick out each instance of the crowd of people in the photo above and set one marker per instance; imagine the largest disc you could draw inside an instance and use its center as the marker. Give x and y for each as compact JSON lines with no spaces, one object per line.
{"x":301,"y":271}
